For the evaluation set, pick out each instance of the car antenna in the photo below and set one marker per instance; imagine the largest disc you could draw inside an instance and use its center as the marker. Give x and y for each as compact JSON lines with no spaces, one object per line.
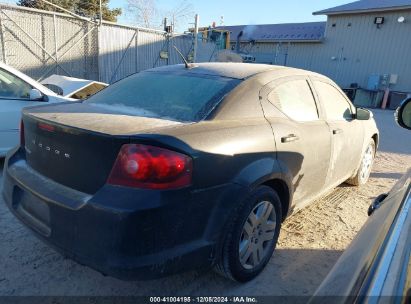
{"x":188,"y":65}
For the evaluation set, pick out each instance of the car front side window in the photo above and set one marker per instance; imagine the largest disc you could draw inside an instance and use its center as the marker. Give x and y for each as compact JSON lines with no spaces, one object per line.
{"x":335,"y":105}
{"x":13,"y":87}
{"x":295,"y":99}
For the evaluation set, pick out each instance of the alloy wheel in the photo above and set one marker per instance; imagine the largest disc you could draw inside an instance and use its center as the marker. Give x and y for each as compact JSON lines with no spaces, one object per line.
{"x":367,"y":163}
{"x":258,"y":232}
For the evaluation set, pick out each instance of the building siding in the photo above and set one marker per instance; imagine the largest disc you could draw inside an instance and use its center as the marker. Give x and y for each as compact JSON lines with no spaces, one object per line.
{"x":363,"y":49}
{"x":350,"y":54}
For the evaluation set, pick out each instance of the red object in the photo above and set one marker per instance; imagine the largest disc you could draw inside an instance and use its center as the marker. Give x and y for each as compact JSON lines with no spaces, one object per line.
{"x":150,"y":167}
{"x":22,"y":140}
{"x":45,"y":127}
{"x":385,"y":99}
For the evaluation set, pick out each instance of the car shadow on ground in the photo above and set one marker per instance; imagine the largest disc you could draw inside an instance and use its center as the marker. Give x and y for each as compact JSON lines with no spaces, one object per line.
{"x":26,"y":261}
{"x":390,"y":175}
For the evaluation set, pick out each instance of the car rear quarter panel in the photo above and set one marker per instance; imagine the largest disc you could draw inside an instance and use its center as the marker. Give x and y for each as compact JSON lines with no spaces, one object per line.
{"x":231,"y":154}
{"x":224,"y":152}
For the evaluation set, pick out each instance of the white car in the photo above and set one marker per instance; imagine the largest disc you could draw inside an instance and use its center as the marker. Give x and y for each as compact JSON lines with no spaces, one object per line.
{"x":18,"y":91}
{"x":73,"y":88}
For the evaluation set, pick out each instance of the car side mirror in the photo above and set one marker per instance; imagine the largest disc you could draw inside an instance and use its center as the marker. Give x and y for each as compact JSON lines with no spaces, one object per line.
{"x":377,"y":203}
{"x":363,"y":114}
{"x":403,"y":114}
{"x":35,"y":95}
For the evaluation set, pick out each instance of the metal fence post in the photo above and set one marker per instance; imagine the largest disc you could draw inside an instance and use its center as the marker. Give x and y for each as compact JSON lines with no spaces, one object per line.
{"x":197,"y":19}
{"x":168,"y":39}
{"x":136,"y":47}
{"x":3,"y":41}
{"x":99,"y":76}
{"x":99,"y":39}
{"x":101,"y":13}
{"x":55,"y":43}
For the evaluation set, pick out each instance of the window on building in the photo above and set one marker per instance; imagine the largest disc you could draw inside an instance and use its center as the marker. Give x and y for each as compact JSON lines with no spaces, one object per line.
{"x":335,"y":104}
{"x":295,"y":99}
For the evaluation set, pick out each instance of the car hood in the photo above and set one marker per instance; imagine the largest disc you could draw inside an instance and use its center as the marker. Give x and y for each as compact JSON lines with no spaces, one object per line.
{"x":70,"y":87}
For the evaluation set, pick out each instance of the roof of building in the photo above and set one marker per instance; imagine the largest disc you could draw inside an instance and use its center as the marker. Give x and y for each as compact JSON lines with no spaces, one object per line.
{"x":293,"y":32}
{"x":365,"y":6}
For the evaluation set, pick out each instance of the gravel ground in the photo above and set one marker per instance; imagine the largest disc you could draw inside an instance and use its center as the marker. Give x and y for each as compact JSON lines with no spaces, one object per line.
{"x":310,"y":243}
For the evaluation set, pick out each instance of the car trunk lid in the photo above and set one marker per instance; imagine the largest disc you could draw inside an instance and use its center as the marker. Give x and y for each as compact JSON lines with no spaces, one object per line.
{"x":77,"y":147}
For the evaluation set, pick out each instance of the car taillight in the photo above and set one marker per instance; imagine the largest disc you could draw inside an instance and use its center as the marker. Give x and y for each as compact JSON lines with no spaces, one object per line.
{"x":45,"y":127}
{"x":22,"y":141}
{"x":149,"y":167}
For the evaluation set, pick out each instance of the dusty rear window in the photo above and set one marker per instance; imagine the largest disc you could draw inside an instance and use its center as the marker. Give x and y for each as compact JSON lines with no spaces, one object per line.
{"x":180,"y":97}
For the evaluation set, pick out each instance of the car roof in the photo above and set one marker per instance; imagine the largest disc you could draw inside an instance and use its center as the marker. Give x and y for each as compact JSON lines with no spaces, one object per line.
{"x":228,"y":69}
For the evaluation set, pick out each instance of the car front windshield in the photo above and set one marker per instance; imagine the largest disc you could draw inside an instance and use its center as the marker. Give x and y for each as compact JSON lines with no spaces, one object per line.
{"x":184,"y":97}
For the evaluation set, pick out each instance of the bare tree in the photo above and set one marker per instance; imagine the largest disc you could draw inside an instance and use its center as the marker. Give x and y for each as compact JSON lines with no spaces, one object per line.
{"x":144,"y":11}
{"x":183,"y":12}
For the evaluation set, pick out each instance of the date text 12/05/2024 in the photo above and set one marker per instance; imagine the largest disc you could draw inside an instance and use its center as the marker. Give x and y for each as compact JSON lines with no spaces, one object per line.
{"x":203,"y":300}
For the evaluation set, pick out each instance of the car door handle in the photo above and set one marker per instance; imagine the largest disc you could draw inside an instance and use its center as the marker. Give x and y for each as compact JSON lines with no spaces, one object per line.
{"x":337,"y":131}
{"x":289,"y":138}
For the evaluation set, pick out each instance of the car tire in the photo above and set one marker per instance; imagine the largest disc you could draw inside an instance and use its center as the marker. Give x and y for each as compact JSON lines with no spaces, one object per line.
{"x":364,"y":170}
{"x":252,"y":236}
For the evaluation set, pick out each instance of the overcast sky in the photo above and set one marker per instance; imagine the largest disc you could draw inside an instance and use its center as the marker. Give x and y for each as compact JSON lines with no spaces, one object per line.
{"x":237,"y":12}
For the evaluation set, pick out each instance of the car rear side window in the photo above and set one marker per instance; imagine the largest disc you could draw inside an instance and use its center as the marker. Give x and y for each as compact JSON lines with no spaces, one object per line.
{"x":295,"y":99}
{"x":335,"y":105}
{"x":174,"y":96}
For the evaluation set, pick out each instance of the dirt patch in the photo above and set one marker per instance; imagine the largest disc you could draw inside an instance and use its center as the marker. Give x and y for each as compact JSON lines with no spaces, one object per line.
{"x":310,"y":243}
{"x":333,"y":221}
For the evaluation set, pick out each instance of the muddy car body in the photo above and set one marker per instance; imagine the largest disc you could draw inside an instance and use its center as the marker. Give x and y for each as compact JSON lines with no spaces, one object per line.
{"x":241,"y":160}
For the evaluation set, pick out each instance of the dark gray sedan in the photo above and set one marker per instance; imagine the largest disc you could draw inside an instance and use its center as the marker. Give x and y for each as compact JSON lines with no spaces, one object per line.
{"x":178,"y":168}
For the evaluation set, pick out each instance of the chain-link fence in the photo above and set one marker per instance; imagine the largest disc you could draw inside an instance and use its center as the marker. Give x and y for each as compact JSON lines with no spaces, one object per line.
{"x":41,"y":43}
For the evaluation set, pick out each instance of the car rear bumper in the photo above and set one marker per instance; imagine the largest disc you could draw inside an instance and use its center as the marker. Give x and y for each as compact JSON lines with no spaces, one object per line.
{"x":121,"y":232}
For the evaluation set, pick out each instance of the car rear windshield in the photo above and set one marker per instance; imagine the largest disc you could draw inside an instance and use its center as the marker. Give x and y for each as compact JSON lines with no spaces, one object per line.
{"x":173,"y":96}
